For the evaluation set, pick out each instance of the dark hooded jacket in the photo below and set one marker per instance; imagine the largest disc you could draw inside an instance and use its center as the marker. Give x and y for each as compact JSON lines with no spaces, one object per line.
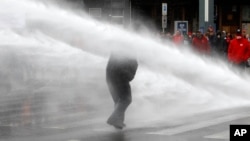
{"x":121,"y":68}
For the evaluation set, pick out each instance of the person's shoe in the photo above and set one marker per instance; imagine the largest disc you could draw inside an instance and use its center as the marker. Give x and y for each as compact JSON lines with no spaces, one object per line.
{"x":116,"y":124}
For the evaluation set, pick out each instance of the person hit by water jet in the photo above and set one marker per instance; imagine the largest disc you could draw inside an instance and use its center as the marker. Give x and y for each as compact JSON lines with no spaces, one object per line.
{"x":120,"y":71}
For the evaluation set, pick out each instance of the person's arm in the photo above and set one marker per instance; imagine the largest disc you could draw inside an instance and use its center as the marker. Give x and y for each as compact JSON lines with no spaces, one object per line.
{"x":247,"y":51}
{"x":130,"y":69}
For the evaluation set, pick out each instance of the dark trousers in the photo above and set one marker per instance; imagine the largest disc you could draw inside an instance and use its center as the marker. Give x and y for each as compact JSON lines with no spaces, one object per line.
{"x":121,"y":93}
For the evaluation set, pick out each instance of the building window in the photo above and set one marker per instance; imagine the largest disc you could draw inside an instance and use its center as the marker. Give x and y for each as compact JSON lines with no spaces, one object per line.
{"x":117,"y":3}
{"x":117,"y":12}
{"x":95,"y":12}
{"x":117,"y":15}
{"x":246,"y":13}
{"x":234,"y":8}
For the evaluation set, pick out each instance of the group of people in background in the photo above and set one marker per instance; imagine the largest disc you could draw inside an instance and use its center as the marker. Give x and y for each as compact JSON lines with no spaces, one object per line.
{"x":234,"y":48}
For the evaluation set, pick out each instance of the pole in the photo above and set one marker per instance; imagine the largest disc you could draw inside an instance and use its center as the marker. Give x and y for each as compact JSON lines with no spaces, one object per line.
{"x":164,"y":16}
{"x":130,"y":12}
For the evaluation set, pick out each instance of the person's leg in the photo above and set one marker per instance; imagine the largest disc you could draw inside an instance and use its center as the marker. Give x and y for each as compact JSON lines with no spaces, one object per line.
{"x":125,"y":98}
{"x":112,"y":89}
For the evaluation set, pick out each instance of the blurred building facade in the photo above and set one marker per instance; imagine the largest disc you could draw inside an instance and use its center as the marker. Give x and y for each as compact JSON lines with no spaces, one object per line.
{"x":225,"y":15}
{"x":115,"y":11}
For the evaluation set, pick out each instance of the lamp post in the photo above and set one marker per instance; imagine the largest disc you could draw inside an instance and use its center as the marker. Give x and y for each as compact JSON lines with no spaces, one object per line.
{"x":206,"y":14}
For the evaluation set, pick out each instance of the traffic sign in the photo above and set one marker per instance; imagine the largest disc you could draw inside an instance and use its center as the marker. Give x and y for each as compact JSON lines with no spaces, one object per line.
{"x":164,"y":9}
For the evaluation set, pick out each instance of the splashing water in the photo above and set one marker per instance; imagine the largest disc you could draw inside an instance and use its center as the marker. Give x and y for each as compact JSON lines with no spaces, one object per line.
{"x":58,"y":58}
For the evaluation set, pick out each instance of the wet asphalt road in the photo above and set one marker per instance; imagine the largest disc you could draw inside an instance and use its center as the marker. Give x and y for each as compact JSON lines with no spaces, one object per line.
{"x":213,"y":126}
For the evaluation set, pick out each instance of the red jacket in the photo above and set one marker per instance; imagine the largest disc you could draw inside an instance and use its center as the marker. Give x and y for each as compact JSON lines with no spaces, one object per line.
{"x":201,"y":44}
{"x":238,"y":50}
{"x":178,"y":39}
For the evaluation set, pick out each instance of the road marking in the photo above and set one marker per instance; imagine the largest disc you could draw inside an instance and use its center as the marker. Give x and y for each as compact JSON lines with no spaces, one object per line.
{"x":220,"y":135}
{"x":199,"y":125}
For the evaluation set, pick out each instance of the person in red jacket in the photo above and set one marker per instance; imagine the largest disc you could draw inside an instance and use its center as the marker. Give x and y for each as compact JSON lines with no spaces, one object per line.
{"x":178,"y":38}
{"x":200,"y":43}
{"x":239,"y":50}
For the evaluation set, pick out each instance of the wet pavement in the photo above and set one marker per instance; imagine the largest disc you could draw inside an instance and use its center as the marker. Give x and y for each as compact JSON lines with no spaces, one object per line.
{"x":212,"y":126}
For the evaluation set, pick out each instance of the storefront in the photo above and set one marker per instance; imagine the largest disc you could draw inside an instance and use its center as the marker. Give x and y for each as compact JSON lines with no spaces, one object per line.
{"x":225,"y":15}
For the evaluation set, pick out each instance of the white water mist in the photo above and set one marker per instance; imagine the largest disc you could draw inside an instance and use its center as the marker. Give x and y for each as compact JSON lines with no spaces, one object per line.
{"x":66,"y":54}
